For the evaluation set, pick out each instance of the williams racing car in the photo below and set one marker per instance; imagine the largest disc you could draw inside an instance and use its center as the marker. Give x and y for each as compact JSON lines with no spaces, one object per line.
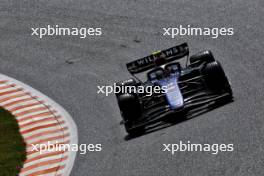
{"x":198,"y":81}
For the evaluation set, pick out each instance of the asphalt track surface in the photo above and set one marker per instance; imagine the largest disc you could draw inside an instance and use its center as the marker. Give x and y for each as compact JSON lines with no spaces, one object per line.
{"x":68,"y":69}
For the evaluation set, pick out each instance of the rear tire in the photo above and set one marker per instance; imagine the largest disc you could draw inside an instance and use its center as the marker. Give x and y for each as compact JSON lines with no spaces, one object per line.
{"x":201,"y":57}
{"x":215,"y":78}
{"x":133,"y":131}
{"x":128,"y":82}
{"x":129,"y":106}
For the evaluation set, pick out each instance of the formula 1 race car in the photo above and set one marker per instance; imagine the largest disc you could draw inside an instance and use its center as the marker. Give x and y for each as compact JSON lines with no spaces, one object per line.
{"x":198,"y":82}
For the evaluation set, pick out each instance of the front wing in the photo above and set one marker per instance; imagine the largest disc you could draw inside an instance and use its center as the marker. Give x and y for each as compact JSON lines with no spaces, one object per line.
{"x":196,"y":98}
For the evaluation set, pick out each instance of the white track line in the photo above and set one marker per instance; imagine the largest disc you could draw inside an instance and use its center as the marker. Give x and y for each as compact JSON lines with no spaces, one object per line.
{"x":41,"y":121}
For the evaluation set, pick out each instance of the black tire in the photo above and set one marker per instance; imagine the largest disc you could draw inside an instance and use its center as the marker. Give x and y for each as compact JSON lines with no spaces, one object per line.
{"x":201,"y":57}
{"x":129,"y":106}
{"x":131,"y":111}
{"x":128,"y":82}
{"x":215,"y":78}
{"x":133,"y":131}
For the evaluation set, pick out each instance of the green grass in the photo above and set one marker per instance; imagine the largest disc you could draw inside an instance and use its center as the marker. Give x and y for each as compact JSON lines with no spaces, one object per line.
{"x":12,"y":146}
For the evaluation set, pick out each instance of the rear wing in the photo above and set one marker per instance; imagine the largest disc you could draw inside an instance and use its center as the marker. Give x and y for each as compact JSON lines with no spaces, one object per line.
{"x":158,"y":58}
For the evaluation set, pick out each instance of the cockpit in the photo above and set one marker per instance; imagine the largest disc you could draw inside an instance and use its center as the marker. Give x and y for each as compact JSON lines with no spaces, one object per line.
{"x":162,"y":72}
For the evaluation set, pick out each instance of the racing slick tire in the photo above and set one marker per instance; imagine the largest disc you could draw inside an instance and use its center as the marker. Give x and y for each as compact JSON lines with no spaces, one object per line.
{"x":201,"y":57}
{"x":215,"y":78}
{"x":131,"y":110}
{"x":129,"y":106}
{"x":128,"y":82}
{"x":133,"y":131}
